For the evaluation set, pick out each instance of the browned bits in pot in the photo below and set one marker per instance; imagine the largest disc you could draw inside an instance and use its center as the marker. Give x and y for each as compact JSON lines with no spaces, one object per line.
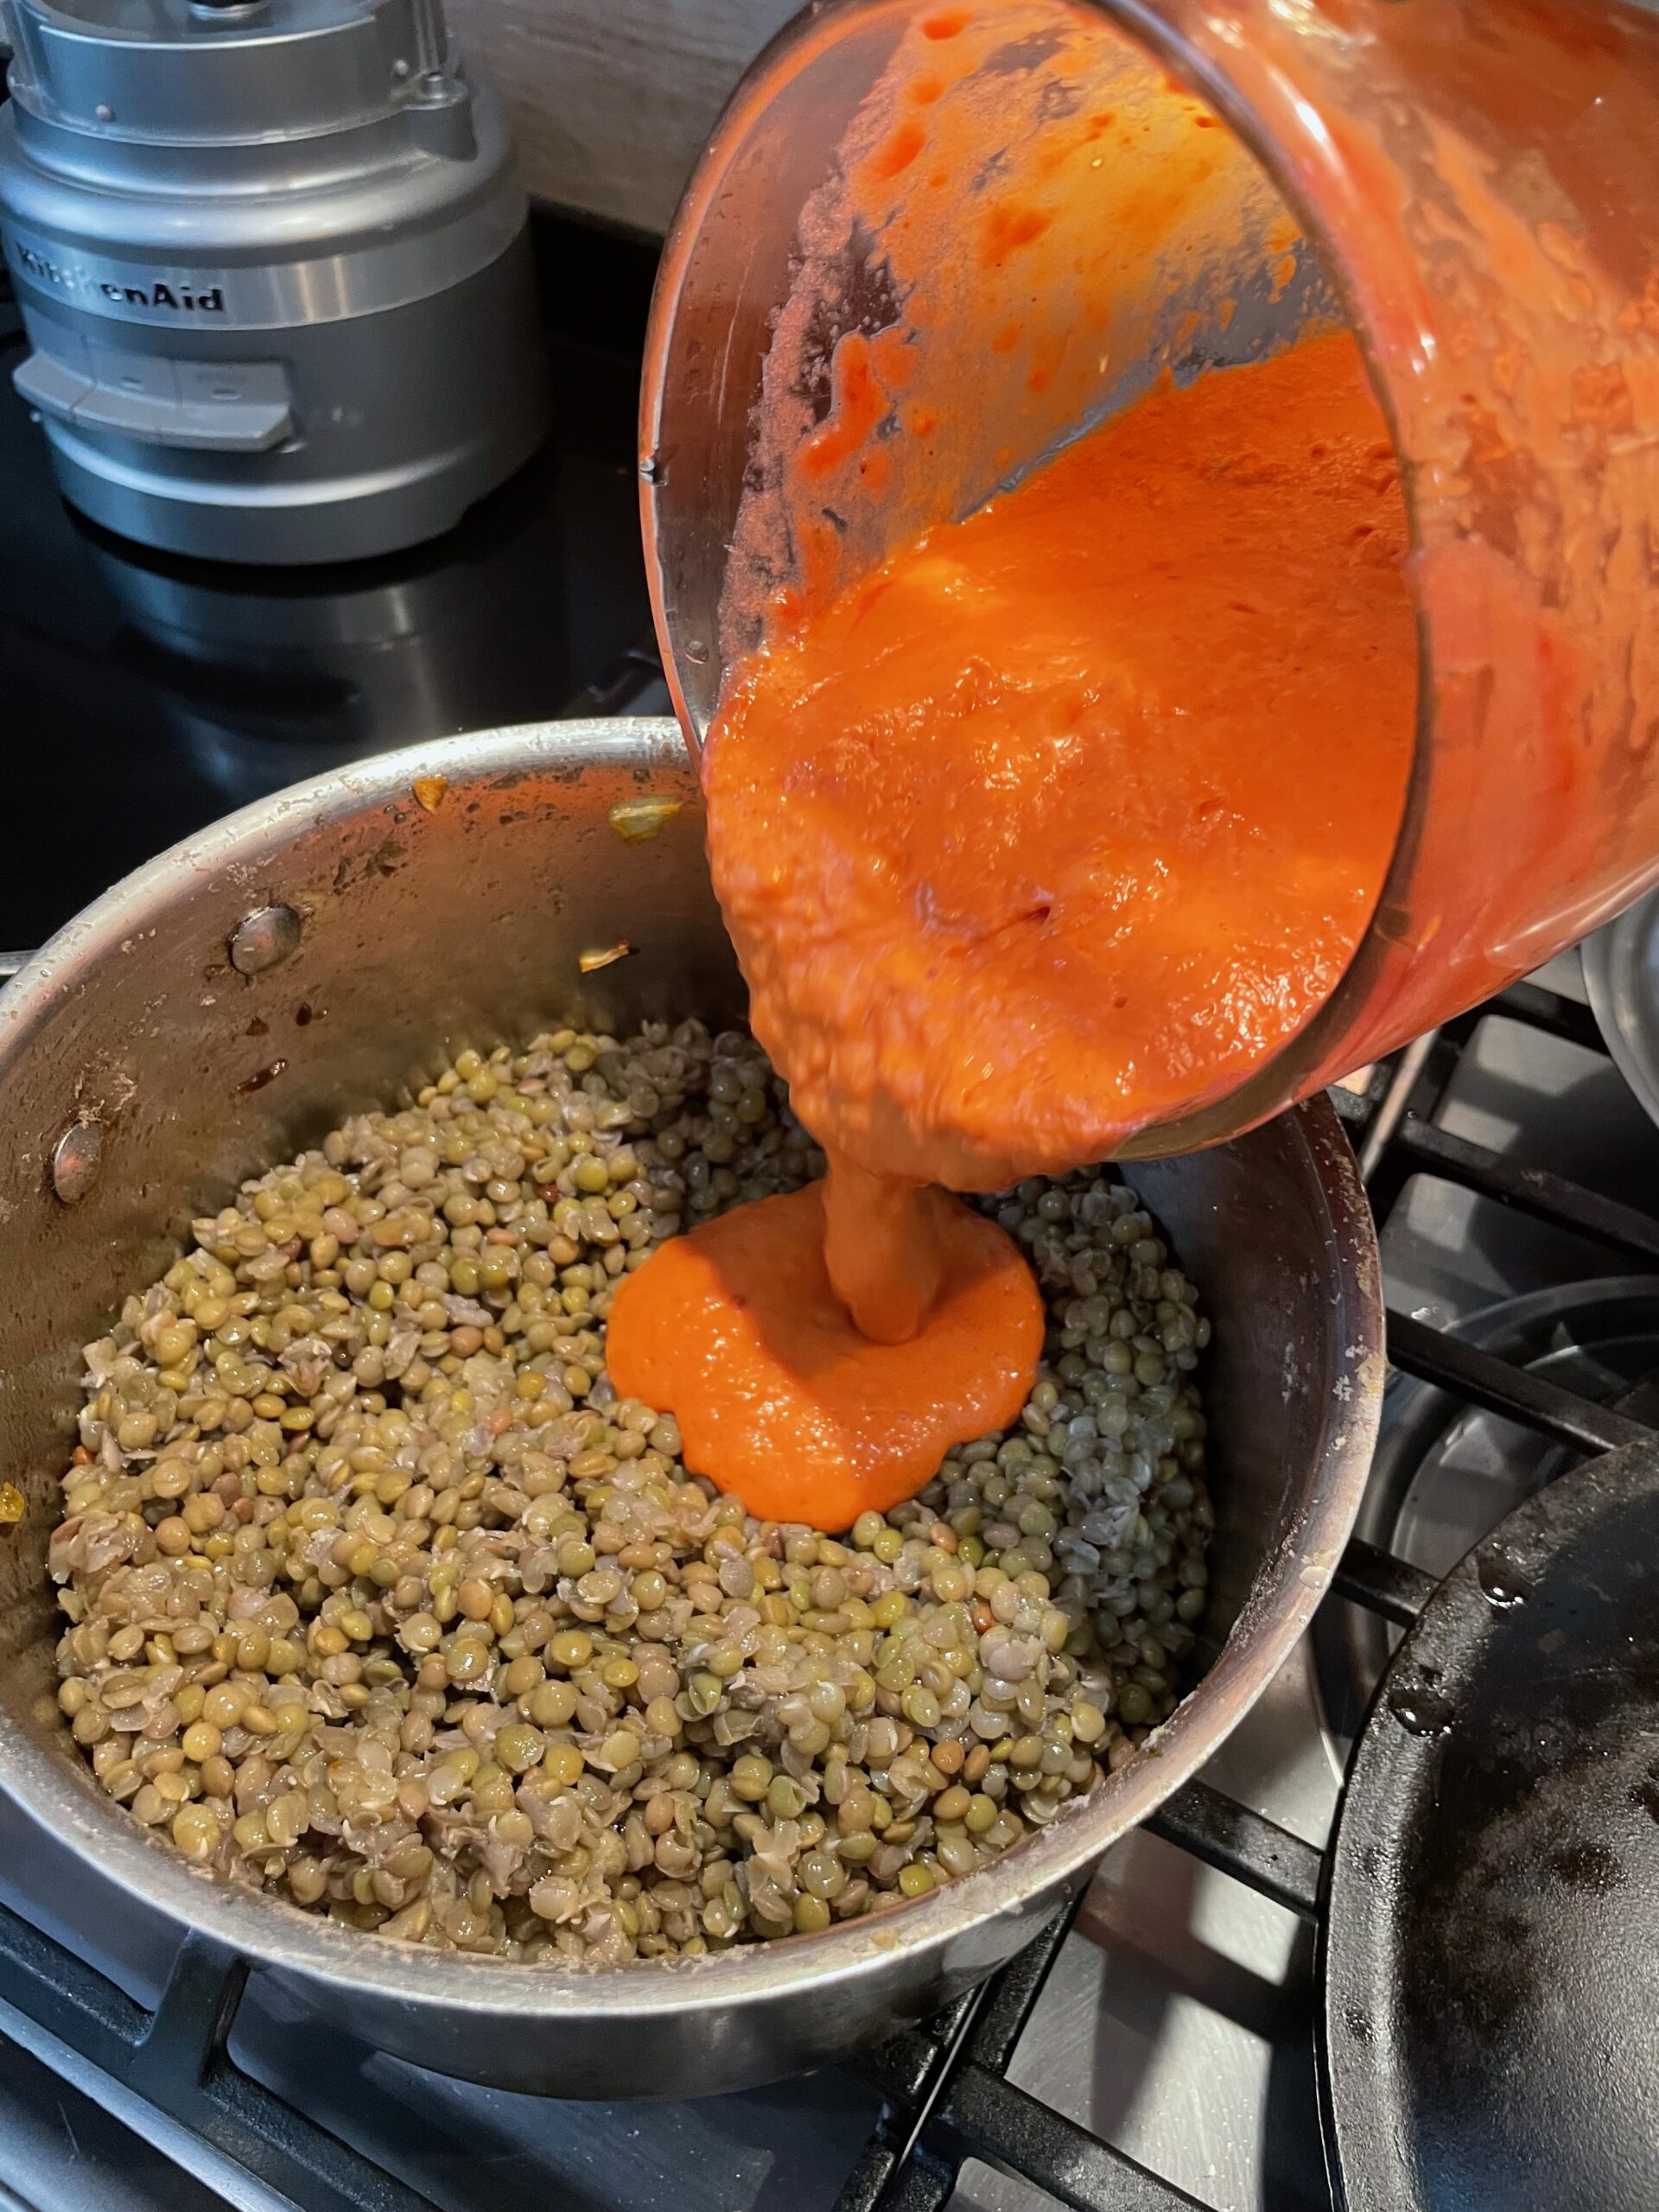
{"x":380,"y":1599}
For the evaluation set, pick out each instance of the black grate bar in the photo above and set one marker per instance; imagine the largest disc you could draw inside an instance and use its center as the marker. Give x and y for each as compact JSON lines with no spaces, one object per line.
{"x":1552,"y":1011}
{"x":70,"y":2001}
{"x":911,"y":2069}
{"x":186,"y":2035}
{"x":988,"y":2118}
{"x":1490,"y":1382}
{"x":908,"y":2070}
{"x":190,"y":2078}
{"x":885,"y":2175}
{"x":296,"y":2157}
{"x":1011,"y":1999}
{"x":1385,"y":1585}
{"x":1394,"y":1103}
{"x":926,"y":2183}
{"x":1255,"y":1851}
{"x":1536,"y":1191}
{"x":900,"y":2067}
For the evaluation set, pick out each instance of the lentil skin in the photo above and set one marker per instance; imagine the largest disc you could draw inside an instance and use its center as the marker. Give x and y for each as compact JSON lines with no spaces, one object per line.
{"x":466,"y":1655}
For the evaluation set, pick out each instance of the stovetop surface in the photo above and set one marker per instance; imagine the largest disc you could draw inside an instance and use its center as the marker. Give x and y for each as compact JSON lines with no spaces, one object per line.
{"x":142,"y":696}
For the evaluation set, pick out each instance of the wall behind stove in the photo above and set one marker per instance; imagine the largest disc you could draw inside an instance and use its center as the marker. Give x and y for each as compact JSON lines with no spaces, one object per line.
{"x":612,"y":99}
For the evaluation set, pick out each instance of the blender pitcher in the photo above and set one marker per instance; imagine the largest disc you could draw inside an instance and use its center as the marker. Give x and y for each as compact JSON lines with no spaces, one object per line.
{"x":928,"y":244}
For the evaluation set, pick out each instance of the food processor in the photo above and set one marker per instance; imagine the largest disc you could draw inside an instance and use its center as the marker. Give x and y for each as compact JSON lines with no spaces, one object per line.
{"x":272,"y":263}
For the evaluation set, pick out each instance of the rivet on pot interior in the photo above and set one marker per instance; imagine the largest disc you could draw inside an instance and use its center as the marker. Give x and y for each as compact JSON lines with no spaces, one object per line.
{"x":264,"y":939}
{"x":76,"y":1159}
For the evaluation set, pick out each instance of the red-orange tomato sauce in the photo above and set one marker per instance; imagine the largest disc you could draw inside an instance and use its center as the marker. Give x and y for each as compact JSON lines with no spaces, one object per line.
{"x":778,"y":1396}
{"x":1058,"y":825}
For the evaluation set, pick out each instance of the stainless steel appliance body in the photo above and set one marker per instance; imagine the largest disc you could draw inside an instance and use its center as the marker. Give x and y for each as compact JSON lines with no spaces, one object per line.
{"x":144,"y":1071}
{"x":272,"y":262}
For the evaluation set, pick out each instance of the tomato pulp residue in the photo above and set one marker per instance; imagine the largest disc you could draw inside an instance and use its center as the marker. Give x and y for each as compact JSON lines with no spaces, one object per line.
{"x":1066,"y":819}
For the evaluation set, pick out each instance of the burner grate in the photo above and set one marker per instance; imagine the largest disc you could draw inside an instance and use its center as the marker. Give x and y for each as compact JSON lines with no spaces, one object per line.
{"x":175,"y":2058}
{"x":952,"y":2114}
{"x":944,"y":2093}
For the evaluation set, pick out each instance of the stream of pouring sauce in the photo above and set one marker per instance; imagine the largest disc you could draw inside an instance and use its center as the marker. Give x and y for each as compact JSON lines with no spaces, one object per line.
{"x":1059,"y":823}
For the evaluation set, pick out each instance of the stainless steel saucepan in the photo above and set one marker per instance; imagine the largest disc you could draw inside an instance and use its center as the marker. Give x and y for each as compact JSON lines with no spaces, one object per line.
{"x":308,"y":957}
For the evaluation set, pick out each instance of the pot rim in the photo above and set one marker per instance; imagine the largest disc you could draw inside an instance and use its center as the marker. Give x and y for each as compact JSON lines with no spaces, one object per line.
{"x":63,"y":1797}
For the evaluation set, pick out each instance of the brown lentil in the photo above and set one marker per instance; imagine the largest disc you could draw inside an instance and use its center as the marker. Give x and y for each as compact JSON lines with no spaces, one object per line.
{"x":378,"y":1596}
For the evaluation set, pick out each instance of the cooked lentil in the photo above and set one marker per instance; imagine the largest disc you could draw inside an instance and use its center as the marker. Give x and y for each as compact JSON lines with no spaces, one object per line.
{"x":380,"y":1598}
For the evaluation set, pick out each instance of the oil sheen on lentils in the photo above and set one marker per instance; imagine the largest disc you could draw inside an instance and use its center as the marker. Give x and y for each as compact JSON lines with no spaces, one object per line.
{"x":381,"y":1597}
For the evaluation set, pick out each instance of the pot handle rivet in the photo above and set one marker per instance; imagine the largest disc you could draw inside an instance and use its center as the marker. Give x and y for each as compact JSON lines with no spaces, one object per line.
{"x":76,"y":1159}
{"x":264,"y":939}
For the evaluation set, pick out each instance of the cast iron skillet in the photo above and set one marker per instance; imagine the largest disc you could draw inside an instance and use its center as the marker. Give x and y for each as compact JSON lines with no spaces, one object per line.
{"x":1492,"y":1989}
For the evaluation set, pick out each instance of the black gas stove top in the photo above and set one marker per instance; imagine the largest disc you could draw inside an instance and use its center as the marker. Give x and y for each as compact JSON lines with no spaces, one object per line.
{"x":1162,"y":2054}
{"x":142,"y":695}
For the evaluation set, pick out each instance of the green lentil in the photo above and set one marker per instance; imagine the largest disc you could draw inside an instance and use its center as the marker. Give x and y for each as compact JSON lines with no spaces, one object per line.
{"x":359,"y":1450}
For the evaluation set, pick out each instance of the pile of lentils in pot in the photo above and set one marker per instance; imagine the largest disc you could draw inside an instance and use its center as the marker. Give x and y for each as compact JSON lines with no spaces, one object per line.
{"x":382,"y":1600}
